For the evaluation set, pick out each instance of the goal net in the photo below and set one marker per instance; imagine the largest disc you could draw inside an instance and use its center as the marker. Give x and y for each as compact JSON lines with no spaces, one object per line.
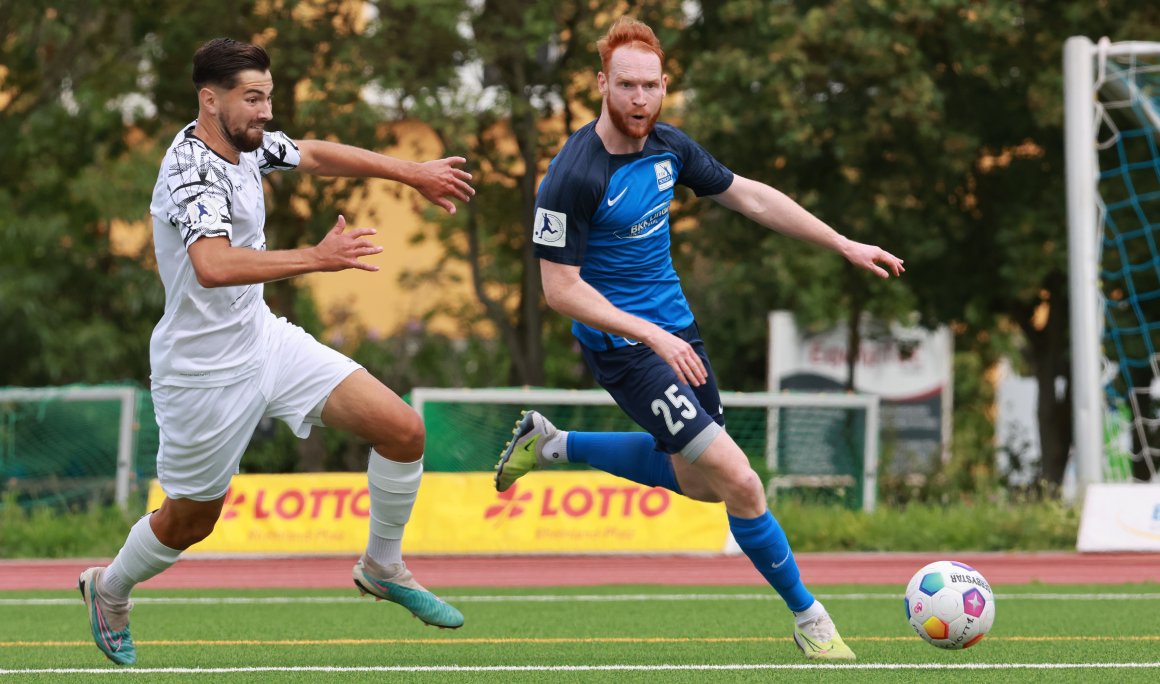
{"x":75,"y":446}
{"x":823,"y":444}
{"x":1112,"y":122}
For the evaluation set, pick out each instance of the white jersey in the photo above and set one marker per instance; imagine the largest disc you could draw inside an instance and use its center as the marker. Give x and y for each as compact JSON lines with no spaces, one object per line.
{"x":210,"y":337}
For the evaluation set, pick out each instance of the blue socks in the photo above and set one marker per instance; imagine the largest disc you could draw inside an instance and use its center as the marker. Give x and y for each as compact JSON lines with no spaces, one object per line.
{"x":763,"y":540}
{"x":634,"y":456}
{"x":631,"y":455}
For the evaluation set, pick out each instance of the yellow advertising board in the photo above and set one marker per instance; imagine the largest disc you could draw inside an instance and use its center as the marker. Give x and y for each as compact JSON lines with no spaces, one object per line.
{"x":461,"y":513}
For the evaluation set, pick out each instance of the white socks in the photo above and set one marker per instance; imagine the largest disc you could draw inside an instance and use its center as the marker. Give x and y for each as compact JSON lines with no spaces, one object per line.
{"x":384,"y":551}
{"x":143,"y":556}
{"x":554,"y":449}
{"x":393,"y":487}
{"x":815,"y":611}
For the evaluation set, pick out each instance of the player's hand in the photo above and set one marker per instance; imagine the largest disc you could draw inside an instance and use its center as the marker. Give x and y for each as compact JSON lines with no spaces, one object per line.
{"x":869,"y":256}
{"x":681,"y":356}
{"x":340,"y":250}
{"x":441,"y":180}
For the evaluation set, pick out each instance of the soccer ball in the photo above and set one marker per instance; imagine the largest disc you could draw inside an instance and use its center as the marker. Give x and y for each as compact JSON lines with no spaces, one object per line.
{"x":949,"y":605}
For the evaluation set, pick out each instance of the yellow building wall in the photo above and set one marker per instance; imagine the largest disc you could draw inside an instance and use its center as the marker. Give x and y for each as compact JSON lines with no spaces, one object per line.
{"x":376,"y":299}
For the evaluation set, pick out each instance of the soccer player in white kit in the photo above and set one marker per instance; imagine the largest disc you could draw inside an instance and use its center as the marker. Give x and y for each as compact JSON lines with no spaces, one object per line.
{"x":221,"y":360}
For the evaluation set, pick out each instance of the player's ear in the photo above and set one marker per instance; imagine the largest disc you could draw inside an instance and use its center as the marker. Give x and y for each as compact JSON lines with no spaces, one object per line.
{"x":602,"y":83}
{"x":207,"y":100}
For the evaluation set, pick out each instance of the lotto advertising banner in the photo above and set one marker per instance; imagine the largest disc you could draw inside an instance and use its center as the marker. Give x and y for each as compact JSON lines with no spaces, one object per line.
{"x":461,"y":513}
{"x":1120,"y":517}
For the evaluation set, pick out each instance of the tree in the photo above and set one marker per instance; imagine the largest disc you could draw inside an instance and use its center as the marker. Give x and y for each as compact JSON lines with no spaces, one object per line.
{"x":89,"y":98}
{"x":932,"y":128}
{"x":507,"y":98}
{"x":72,"y":308}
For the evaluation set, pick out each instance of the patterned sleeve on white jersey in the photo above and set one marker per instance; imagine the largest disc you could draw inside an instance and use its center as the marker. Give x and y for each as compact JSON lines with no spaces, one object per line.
{"x":200,"y":191}
{"x":278,"y":153}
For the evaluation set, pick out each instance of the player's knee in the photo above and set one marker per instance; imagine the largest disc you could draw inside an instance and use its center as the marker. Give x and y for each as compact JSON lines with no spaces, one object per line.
{"x":199,"y":530}
{"x":744,"y":490}
{"x":415,"y":435}
{"x":182,"y":532}
{"x":406,"y":438}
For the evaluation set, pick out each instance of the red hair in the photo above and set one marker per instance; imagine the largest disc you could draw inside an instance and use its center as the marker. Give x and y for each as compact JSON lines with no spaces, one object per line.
{"x":628,"y":32}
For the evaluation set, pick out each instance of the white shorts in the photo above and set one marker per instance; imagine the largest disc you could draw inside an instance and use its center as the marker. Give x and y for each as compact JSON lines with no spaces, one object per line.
{"x":205,"y":430}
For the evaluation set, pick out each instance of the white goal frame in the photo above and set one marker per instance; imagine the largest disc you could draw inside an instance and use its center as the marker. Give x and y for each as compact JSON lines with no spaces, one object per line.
{"x":126,"y":433}
{"x":772,"y":400}
{"x":1081,"y":116}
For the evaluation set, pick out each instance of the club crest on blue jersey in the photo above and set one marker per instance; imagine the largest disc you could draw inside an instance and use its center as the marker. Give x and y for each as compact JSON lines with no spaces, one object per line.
{"x":550,"y":228}
{"x":665,"y":177}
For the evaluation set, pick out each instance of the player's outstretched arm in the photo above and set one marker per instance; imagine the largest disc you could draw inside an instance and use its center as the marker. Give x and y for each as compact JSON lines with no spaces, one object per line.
{"x":567,"y":293}
{"x":438,"y":180}
{"x":219,"y":264}
{"x":776,"y":211}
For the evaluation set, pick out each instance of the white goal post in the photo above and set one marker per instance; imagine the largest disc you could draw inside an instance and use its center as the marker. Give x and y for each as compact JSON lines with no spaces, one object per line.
{"x":126,"y":433}
{"x":1096,"y":95}
{"x":531,"y":398}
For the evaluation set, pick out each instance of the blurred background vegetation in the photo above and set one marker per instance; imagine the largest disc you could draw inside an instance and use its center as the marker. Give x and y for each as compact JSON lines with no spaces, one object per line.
{"x":930,"y":127}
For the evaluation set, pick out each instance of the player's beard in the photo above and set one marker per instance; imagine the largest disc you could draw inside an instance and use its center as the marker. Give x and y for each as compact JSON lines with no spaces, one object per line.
{"x":633,"y":128}
{"x":246,"y":138}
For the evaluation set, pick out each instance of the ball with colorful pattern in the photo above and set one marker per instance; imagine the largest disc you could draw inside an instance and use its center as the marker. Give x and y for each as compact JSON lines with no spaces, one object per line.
{"x":949,"y":604}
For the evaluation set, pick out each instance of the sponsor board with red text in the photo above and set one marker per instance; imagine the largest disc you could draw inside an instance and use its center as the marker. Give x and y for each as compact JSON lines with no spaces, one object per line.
{"x":461,"y":513}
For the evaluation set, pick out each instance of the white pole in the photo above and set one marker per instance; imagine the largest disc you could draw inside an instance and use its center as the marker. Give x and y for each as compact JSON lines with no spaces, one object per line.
{"x":125,"y":446}
{"x":870,"y":457}
{"x":1083,"y":280}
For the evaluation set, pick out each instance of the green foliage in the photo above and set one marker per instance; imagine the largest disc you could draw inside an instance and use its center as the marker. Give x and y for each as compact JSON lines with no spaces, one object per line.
{"x":418,"y":357}
{"x":45,"y":532}
{"x":534,"y":64}
{"x":959,"y":524}
{"x":931,"y":129}
{"x":71,"y":309}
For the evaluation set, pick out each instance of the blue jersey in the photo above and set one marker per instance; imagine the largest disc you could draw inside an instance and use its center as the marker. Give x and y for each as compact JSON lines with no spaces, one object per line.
{"x":609,"y":215}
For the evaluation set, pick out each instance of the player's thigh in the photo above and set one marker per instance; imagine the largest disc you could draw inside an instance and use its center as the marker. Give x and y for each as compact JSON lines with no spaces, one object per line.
{"x":300,"y":375}
{"x":203,"y":433}
{"x":727,"y":468}
{"x":722,"y":473}
{"x":366,"y":407}
{"x":647,"y":389}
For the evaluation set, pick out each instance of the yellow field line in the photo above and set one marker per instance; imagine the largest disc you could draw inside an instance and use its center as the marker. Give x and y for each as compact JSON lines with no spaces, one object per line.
{"x":560,"y":640}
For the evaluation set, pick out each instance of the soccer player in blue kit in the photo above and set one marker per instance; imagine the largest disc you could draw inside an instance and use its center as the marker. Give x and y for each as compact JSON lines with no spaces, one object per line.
{"x":601,"y":233}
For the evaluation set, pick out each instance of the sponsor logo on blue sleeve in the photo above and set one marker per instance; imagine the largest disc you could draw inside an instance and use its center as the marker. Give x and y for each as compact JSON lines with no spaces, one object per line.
{"x":550,"y":228}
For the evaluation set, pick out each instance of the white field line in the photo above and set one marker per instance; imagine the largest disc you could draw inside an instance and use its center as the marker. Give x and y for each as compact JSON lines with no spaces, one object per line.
{"x":594,"y":668}
{"x":559,"y":598}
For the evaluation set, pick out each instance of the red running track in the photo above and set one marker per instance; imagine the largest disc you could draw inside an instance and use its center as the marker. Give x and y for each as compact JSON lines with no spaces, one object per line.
{"x":540,"y":571}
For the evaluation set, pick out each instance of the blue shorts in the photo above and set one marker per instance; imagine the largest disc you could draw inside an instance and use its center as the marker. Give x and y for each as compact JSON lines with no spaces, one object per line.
{"x":682,"y":419}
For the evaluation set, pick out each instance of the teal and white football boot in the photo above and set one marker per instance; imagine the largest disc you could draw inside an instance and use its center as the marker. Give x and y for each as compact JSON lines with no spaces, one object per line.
{"x":395,"y":583}
{"x":108,"y":624}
